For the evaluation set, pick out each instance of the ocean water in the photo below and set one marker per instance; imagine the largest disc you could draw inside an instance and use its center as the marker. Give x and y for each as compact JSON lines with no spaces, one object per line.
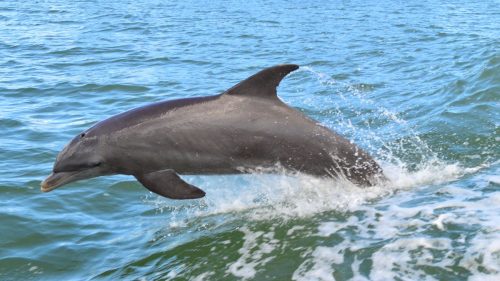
{"x":415,"y":83}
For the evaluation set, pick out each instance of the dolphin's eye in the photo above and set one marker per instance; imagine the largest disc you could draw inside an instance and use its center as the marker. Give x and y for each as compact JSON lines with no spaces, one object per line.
{"x":82,"y":135}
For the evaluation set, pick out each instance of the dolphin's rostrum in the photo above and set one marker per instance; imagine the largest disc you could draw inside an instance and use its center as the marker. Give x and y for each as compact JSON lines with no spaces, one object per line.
{"x":244,"y":128}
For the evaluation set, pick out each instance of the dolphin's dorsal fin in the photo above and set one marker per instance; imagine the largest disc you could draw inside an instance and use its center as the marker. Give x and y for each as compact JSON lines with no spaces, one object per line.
{"x":262,"y":84}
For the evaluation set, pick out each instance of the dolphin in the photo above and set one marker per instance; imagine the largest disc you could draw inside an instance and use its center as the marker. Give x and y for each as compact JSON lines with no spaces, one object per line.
{"x":242,"y":129}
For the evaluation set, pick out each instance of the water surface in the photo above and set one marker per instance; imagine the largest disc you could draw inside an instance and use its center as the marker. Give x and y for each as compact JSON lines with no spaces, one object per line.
{"x":416,"y":84}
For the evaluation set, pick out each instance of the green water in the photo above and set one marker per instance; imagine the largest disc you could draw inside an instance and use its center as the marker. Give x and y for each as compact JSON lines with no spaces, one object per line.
{"x":417,"y":84}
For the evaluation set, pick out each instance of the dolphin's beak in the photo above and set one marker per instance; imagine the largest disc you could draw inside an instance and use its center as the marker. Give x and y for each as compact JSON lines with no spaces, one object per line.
{"x":55,"y":180}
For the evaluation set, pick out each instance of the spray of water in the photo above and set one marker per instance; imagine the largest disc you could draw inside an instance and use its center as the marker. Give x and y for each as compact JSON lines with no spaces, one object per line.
{"x":391,"y":220}
{"x":263,"y":196}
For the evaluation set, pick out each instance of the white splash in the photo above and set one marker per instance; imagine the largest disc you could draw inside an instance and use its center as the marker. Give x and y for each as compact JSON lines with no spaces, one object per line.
{"x":408,"y":248}
{"x":263,"y":196}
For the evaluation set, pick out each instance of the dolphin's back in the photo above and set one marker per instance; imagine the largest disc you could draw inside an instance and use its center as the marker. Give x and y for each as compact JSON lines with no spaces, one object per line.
{"x":143,"y":114}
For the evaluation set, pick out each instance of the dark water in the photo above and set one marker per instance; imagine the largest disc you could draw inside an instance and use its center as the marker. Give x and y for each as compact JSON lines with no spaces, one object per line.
{"x":417,"y":84}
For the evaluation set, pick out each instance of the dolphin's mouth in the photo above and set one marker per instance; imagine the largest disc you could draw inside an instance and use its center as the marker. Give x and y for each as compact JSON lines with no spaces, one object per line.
{"x":55,"y":180}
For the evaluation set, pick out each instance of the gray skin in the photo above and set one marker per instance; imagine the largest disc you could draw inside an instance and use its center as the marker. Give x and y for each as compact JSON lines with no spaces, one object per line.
{"x":245,"y":128}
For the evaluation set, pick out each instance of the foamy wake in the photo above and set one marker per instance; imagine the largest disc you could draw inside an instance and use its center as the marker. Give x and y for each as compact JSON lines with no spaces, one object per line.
{"x":416,"y":239}
{"x":386,"y":217}
{"x":265,"y":196}
{"x":408,"y":239}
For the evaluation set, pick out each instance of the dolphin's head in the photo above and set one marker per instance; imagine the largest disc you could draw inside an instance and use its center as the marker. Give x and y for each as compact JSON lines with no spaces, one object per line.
{"x":82,"y":158}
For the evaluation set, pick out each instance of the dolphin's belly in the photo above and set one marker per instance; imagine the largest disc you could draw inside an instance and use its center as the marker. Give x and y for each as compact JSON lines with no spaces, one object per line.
{"x":230,"y":150}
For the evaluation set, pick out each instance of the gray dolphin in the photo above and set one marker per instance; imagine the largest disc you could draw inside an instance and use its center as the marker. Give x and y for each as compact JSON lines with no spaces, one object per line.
{"x":244,"y":128}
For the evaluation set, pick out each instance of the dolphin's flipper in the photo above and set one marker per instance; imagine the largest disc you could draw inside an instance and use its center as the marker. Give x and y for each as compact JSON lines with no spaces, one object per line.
{"x":167,"y":183}
{"x":262,"y":84}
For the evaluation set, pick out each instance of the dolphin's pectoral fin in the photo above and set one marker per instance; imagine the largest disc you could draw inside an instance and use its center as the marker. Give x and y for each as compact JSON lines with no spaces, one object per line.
{"x":168,"y":184}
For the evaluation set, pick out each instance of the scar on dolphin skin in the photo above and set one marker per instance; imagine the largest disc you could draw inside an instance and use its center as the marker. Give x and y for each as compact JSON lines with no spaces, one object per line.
{"x":242,"y":129}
